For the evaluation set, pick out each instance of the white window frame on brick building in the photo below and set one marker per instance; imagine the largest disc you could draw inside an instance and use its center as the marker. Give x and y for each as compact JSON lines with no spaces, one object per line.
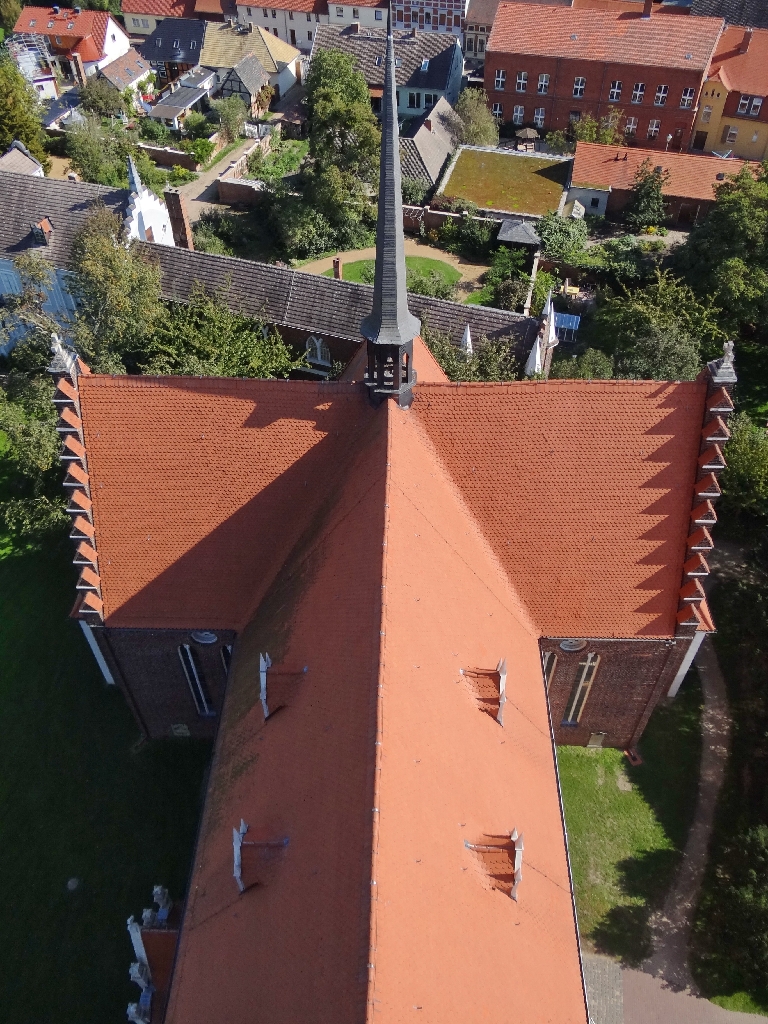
{"x":581,"y":689}
{"x":660,"y":99}
{"x":522,"y":81}
{"x":539,"y":115}
{"x":638,"y":92}
{"x":630,"y":128}
{"x":500,"y":81}
{"x":543,"y":87}
{"x":614,"y":93}
{"x":579,"y":86}
{"x":498,"y":111}
{"x":750,"y":105}
{"x":518,"y":115}
{"x":654,"y":127}
{"x":687,"y":97}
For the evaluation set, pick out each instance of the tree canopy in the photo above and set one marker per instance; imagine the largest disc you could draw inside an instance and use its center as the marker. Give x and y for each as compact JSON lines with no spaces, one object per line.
{"x":19,"y":117}
{"x":726,"y":256}
{"x":492,"y":359}
{"x":472,"y":123}
{"x":344,"y":132}
{"x":646,"y":206}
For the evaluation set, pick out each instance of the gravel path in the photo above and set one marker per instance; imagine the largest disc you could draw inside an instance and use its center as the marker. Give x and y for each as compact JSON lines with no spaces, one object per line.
{"x":203,"y":194}
{"x":671,"y":926}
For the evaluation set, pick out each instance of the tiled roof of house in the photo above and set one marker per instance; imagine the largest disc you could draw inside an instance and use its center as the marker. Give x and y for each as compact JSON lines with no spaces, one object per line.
{"x":18,"y":160}
{"x":176,"y":39}
{"x":368,"y":46}
{"x":309,"y":6}
{"x":287,"y":298}
{"x":67,"y":204}
{"x":690,"y":175}
{"x":481,"y":12}
{"x":735,"y":12}
{"x":226,"y":46}
{"x":428,"y":144}
{"x":383,"y":772}
{"x":742,"y":72}
{"x":74,"y":28}
{"x":160,"y":8}
{"x":604,"y":561}
{"x":125,"y":70}
{"x":251,"y":74}
{"x":663,"y":40}
{"x":321,"y":304}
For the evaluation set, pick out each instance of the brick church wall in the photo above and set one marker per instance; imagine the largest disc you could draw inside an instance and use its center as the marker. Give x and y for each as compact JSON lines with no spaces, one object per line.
{"x":631,"y":678}
{"x":146,"y":666}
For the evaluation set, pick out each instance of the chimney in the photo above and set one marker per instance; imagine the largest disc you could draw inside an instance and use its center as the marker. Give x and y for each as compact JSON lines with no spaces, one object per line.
{"x":744,"y":44}
{"x":180,"y":226}
{"x":428,"y":123}
{"x":414,"y":32}
{"x":250,"y":26}
{"x":337,"y":268}
{"x":647,"y":8}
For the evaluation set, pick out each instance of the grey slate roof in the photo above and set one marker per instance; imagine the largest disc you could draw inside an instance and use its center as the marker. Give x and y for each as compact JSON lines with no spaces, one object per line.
{"x":67,"y":204}
{"x":250,"y":72}
{"x":321,"y":305}
{"x":753,"y":13}
{"x":189,"y":32}
{"x":285,"y":297}
{"x":411,"y":163}
{"x":428,"y":147}
{"x":365,"y":45}
{"x":518,"y":232}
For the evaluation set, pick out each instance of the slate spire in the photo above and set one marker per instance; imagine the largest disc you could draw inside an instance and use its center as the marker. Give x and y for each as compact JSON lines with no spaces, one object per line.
{"x":390,"y":324}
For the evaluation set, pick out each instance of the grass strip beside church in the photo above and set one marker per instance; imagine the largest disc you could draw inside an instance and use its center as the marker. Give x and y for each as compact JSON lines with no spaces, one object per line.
{"x":627,"y":826}
{"x":79,"y":798}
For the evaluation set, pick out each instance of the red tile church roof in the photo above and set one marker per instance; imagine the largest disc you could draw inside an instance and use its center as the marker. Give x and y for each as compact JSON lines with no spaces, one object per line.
{"x":582,"y":489}
{"x":383,"y":771}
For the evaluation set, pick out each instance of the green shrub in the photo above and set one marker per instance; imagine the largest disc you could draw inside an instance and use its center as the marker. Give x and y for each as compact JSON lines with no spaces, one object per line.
{"x":590,"y":365}
{"x":197,"y":125}
{"x":468,"y":236}
{"x":154,"y":131}
{"x":431,"y":284}
{"x":180,"y":176}
{"x":413,"y":191}
{"x":745,"y":480}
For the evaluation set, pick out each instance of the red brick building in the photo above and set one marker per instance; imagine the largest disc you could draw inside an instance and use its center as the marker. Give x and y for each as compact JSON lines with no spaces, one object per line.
{"x":602,"y":179}
{"x":547,"y":66}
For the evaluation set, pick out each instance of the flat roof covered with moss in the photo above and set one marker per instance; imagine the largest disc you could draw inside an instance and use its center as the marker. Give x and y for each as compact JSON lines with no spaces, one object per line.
{"x":508,"y":181}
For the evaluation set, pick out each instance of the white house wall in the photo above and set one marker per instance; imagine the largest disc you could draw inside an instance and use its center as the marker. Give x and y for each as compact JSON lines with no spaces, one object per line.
{"x":586,"y":197}
{"x":299,"y":22}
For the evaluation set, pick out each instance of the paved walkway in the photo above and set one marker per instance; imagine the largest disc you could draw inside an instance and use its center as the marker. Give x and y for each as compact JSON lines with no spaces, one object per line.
{"x":470,"y":272}
{"x":203,"y":194}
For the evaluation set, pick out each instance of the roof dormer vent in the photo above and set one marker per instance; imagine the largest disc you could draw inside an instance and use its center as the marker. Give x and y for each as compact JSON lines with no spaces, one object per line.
{"x":43,"y":231}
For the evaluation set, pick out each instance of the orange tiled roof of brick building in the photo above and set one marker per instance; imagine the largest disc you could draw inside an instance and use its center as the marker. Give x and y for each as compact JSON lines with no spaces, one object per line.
{"x":605,"y":35}
{"x":690,"y":175}
{"x":742,"y":72}
{"x":390,"y":906}
{"x":589,"y":523}
{"x":162,"y":8}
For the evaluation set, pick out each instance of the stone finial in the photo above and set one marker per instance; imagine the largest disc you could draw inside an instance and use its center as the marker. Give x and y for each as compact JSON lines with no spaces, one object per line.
{"x":722,"y":370}
{"x":466,"y":341}
{"x":63,"y":359}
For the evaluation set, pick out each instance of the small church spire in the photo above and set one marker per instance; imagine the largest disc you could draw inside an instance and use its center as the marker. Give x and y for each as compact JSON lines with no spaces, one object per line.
{"x":390,"y":327}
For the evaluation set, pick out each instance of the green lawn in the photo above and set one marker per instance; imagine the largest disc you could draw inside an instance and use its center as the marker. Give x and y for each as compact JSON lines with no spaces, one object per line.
{"x":361,"y":271}
{"x":627,"y":826}
{"x":504,"y":181}
{"x":79,"y":798}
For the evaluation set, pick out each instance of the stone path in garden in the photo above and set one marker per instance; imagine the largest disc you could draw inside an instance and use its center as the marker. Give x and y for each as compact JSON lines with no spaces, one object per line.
{"x":203,"y":194}
{"x":663,"y":991}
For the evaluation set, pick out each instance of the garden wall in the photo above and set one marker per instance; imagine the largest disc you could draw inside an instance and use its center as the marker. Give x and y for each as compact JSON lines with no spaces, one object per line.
{"x":167,"y":156}
{"x":232,"y":187}
{"x":413,"y":216}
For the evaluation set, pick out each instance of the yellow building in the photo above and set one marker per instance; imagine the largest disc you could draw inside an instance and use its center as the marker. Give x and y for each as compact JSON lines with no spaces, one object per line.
{"x":733,"y":108}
